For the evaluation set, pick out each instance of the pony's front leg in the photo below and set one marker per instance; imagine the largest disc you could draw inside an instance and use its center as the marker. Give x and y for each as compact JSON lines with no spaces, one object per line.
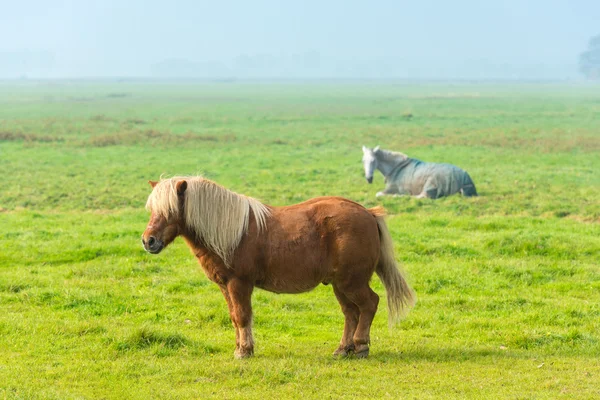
{"x":240,"y":294}
{"x":230,"y":307}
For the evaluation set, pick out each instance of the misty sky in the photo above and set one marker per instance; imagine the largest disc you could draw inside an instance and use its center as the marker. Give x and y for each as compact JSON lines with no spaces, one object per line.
{"x":303,"y":38}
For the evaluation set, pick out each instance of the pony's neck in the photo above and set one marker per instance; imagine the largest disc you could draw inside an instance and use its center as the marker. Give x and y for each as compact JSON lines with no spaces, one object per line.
{"x":387,"y":163}
{"x":214,"y":267}
{"x":198,"y":247}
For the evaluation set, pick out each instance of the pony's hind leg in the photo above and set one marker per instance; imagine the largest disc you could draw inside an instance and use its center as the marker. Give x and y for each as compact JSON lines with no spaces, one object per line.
{"x":367,"y":301}
{"x":351,"y":316}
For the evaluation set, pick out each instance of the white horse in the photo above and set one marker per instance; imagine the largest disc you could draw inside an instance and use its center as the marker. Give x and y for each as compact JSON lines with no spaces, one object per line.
{"x":409,"y":176}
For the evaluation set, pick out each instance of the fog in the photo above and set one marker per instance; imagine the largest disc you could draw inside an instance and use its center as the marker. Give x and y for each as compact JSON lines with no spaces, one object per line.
{"x":376,"y":39}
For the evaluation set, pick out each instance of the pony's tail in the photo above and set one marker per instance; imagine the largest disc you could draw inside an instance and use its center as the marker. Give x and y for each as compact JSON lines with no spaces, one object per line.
{"x":400,"y":297}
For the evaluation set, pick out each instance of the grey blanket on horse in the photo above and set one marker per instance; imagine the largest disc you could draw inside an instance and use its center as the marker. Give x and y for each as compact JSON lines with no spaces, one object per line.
{"x":416,"y":177}
{"x":409,"y":176}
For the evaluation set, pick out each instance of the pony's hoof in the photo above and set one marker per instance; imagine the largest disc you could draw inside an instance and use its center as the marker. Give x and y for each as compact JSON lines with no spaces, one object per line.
{"x":241,"y":354}
{"x":362,"y":352}
{"x":343,"y":352}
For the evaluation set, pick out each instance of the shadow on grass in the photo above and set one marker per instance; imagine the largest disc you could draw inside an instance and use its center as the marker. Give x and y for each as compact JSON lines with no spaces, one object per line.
{"x":445,"y":355}
{"x":436,"y":355}
{"x":466,"y":354}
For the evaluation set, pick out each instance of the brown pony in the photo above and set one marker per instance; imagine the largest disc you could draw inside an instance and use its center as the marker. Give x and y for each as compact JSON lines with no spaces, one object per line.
{"x":242,"y":243}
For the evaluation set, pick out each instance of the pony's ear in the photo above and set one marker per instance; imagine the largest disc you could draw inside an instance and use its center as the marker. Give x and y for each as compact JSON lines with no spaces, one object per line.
{"x":153,"y":183}
{"x":180,"y":187}
{"x":365,"y":149}
{"x":376,"y":148}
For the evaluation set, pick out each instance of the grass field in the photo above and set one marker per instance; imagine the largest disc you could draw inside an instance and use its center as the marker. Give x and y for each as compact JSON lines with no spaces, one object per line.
{"x":508,"y":283}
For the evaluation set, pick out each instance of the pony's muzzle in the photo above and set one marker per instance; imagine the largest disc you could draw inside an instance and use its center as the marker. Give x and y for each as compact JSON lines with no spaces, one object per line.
{"x":370,"y":179}
{"x":152,"y":245}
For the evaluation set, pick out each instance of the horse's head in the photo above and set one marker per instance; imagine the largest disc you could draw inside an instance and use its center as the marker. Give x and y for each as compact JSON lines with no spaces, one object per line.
{"x":370,"y":162}
{"x":164,"y":225}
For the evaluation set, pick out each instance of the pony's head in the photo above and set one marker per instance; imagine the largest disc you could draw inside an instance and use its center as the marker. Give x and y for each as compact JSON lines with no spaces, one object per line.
{"x":370,"y":162}
{"x":165,"y":204}
{"x":203,"y":212}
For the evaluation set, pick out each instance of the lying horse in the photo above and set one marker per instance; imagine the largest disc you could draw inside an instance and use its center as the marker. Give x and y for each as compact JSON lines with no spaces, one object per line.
{"x":242,"y":243}
{"x":409,"y":176}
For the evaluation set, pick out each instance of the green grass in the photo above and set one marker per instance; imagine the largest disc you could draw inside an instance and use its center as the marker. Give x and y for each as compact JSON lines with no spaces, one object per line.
{"x":508,"y":283}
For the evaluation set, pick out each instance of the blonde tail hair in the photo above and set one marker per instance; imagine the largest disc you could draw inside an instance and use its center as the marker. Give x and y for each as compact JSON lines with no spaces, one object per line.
{"x":400,"y":297}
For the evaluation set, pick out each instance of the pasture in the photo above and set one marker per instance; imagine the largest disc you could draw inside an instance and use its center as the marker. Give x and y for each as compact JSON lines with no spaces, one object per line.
{"x":508,"y":283}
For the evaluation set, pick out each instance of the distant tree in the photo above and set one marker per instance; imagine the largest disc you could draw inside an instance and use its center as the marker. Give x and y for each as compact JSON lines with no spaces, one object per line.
{"x":589,"y":61}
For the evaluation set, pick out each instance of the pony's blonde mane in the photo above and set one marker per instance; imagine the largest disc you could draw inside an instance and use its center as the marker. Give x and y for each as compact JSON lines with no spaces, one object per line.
{"x":218,"y":217}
